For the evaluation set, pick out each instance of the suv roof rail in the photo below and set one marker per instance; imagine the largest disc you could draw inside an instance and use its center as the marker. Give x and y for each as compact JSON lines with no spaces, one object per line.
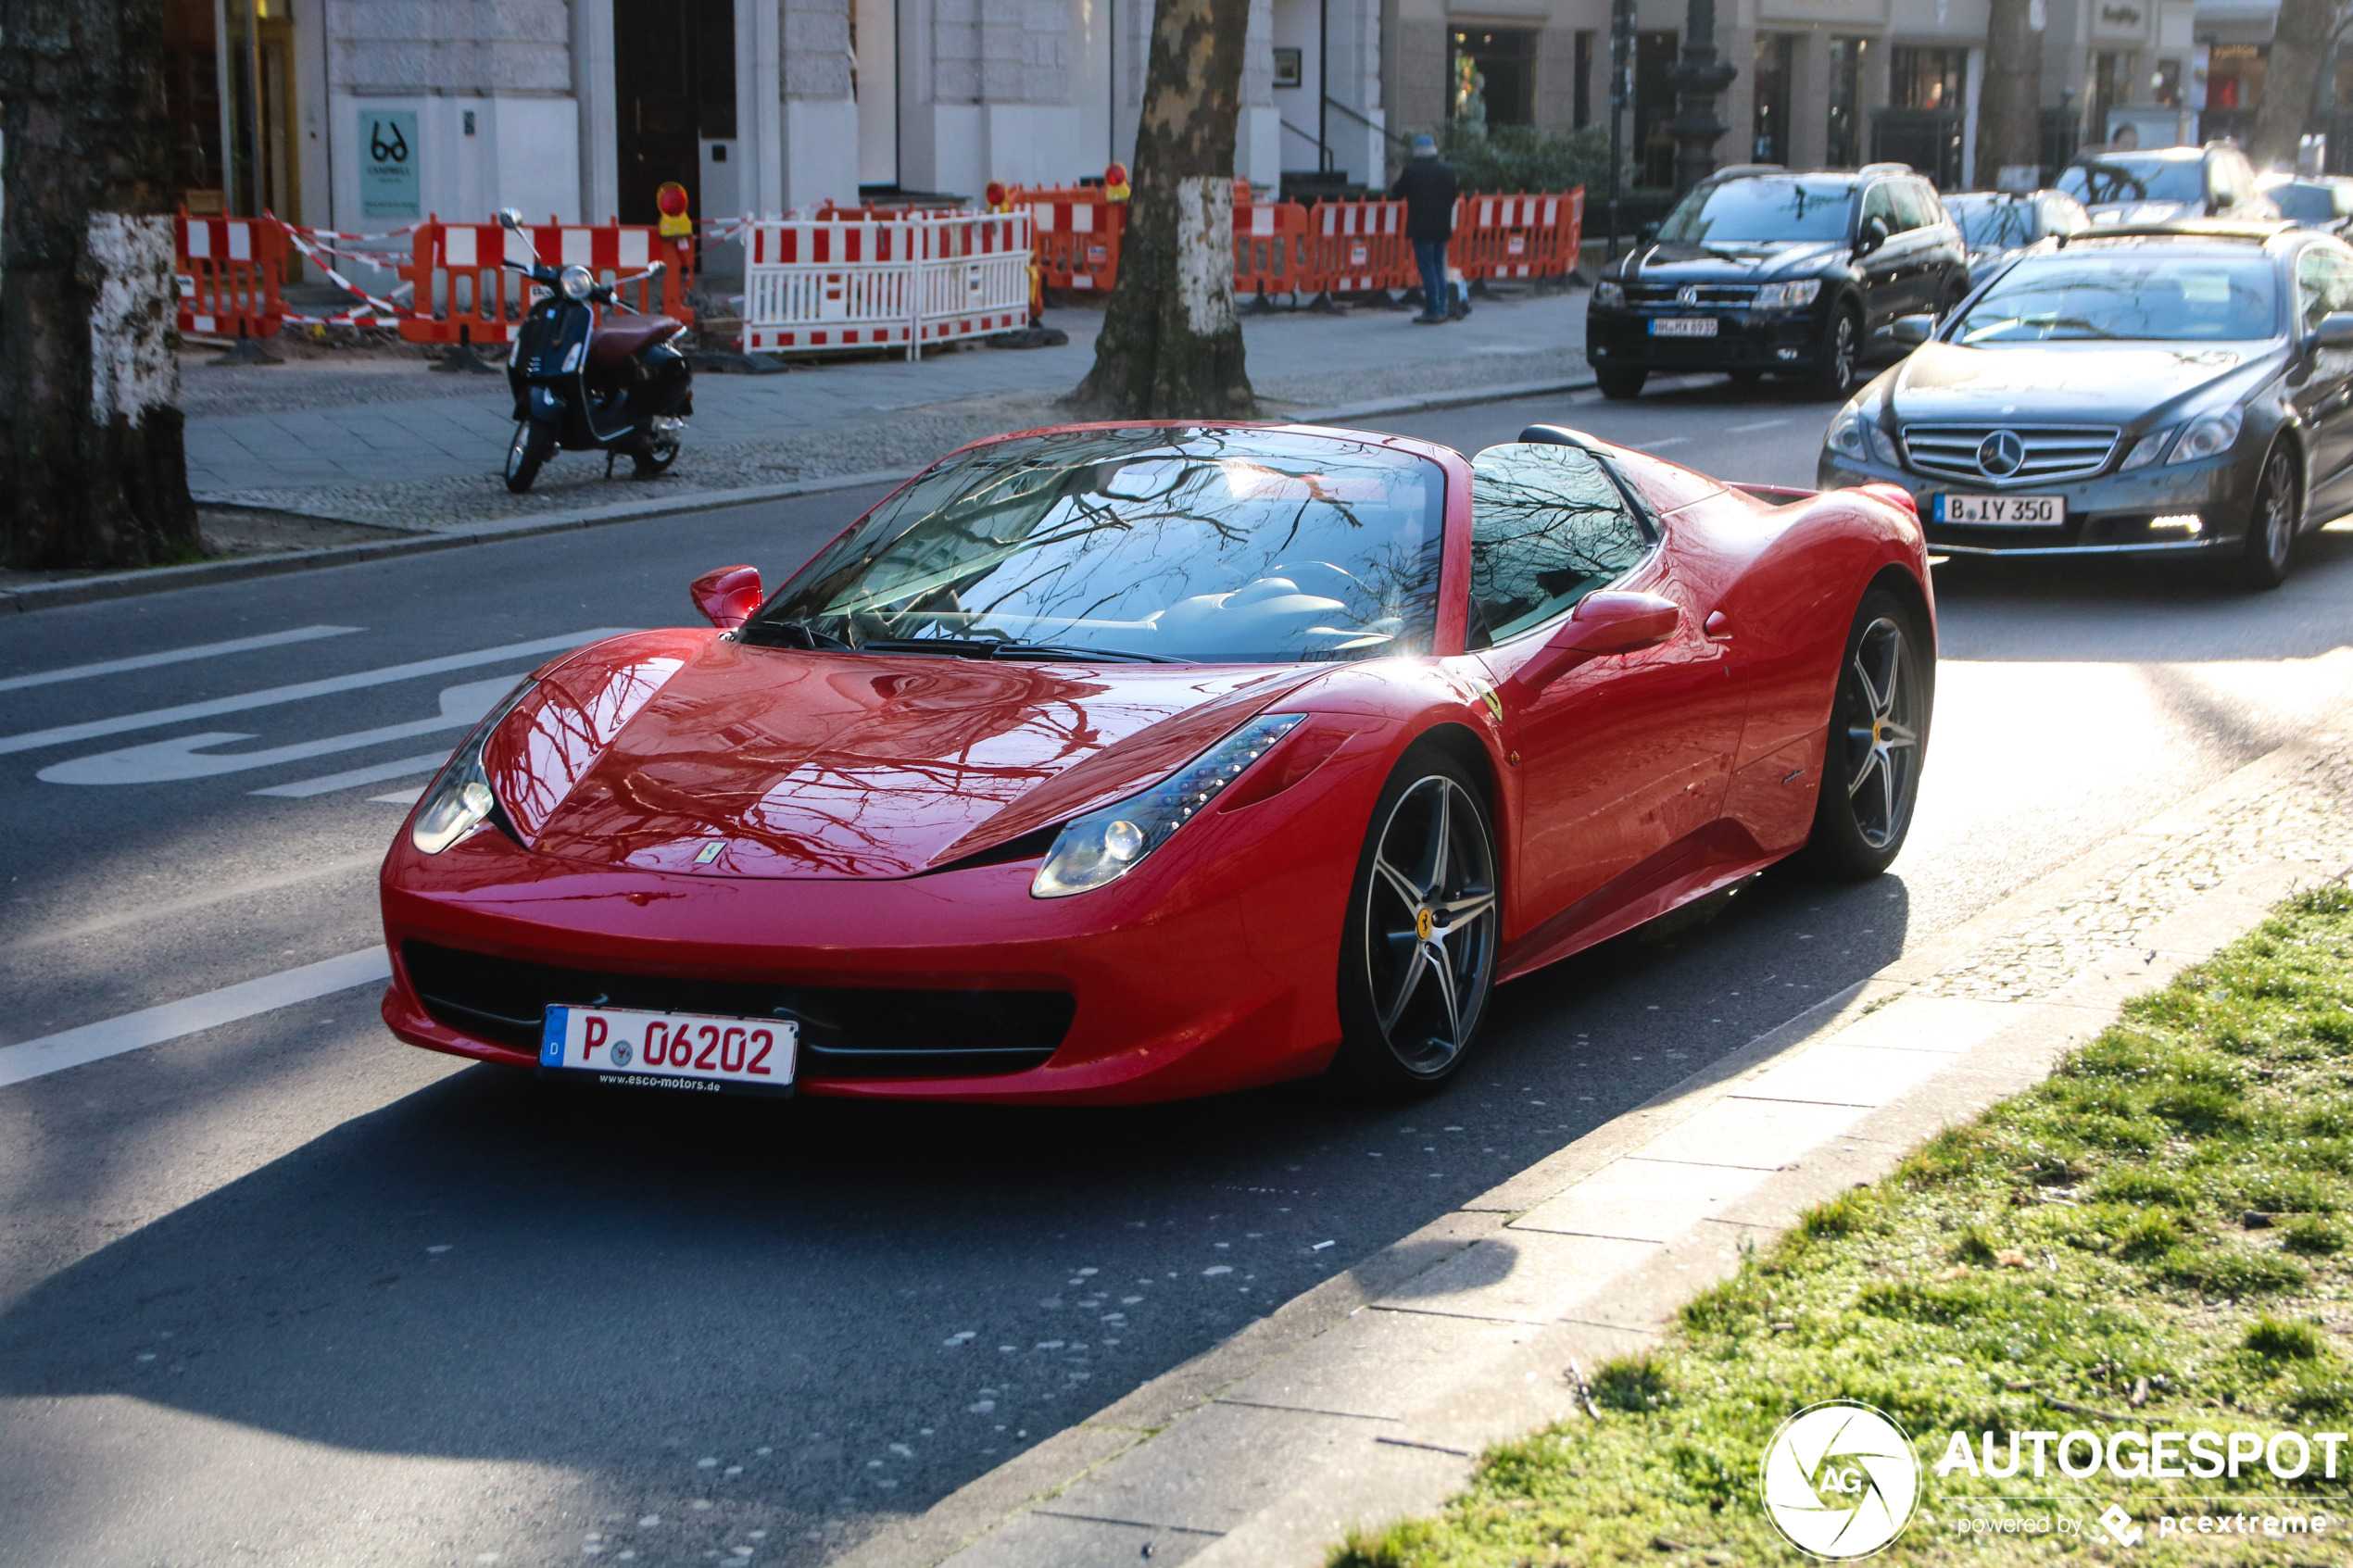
{"x":1732,"y":169}
{"x":1885,"y":169}
{"x":2251,"y":231}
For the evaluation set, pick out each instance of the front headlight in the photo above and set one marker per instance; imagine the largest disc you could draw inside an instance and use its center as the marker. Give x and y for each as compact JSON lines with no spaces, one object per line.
{"x":1104,"y":844}
{"x":1854,"y":434}
{"x":1788,"y":296}
{"x":461,"y":801}
{"x":1609,"y":295}
{"x":2208,"y":437}
{"x":2147,"y":449}
{"x":575,"y":281}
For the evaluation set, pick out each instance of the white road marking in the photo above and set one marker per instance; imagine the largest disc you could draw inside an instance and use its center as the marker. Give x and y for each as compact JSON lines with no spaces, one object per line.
{"x":146,"y":914}
{"x":65,"y":735}
{"x":164,"y":760}
{"x":425,"y":762}
{"x":153,"y":1026}
{"x":175,"y":656}
{"x":1760,"y":424}
{"x":400,"y":797}
{"x":1668,"y":441}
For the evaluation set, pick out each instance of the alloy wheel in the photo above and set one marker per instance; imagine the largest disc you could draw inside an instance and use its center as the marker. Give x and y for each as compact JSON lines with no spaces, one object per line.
{"x":1883,"y":734}
{"x":2275,"y":511}
{"x":1431,"y":920}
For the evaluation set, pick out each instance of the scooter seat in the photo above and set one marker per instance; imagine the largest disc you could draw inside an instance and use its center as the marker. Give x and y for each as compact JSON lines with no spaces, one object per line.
{"x":616,"y":340}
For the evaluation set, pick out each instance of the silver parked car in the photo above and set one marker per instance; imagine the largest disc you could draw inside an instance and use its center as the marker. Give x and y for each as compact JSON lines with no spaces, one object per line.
{"x":2158,"y":184}
{"x":2185,"y":389}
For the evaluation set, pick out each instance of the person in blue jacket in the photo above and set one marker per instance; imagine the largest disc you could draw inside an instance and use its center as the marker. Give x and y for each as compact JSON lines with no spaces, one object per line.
{"x":1427,"y":187}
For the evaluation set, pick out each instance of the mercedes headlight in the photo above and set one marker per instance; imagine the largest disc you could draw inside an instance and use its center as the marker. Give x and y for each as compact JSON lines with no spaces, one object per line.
{"x":2210,"y":435}
{"x":461,"y":801}
{"x":1788,"y":296}
{"x":1855,"y":435}
{"x":2146,"y":450}
{"x":1104,"y":844}
{"x":1609,"y":295}
{"x":575,"y":283}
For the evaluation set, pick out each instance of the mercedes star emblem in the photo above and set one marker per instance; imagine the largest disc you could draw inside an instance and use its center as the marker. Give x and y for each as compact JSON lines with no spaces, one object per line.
{"x":2001,"y":454}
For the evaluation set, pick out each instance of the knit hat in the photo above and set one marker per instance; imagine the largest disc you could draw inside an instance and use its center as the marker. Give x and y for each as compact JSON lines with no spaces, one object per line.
{"x":1425,"y":146}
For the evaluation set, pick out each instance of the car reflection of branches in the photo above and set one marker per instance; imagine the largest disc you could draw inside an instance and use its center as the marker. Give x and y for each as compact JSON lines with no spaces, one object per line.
{"x":1547,"y":527}
{"x":1089,"y":539}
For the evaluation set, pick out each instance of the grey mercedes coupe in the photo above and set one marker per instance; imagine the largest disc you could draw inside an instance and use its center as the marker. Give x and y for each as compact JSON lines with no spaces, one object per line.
{"x":2186,"y":389}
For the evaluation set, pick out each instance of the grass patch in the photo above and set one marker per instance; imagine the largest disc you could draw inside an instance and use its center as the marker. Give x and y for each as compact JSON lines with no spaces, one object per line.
{"x":2158,"y":1231}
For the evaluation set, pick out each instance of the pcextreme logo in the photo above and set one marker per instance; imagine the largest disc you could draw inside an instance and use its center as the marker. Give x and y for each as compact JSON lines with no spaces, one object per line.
{"x":1841,"y":1480}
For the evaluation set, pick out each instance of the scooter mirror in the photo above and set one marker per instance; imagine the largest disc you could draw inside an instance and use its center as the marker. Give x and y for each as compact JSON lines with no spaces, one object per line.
{"x":657,"y":270}
{"x":510,"y":218}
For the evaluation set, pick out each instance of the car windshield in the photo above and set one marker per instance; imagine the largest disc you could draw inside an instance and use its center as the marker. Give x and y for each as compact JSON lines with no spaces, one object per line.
{"x":1992,"y":223}
{"x":1200,"y":546}
{"x":2131,"y":295}
{"x":1743,"y":210}
{"x":2136,"y":179}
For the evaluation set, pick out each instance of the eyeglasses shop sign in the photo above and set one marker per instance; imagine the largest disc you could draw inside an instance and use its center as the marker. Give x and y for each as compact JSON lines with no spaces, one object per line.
{"x":388,"y":184}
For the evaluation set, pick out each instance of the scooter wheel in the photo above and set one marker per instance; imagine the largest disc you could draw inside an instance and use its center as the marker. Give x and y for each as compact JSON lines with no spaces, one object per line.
{"x":532,"y":445}
{"x":654,"y":455}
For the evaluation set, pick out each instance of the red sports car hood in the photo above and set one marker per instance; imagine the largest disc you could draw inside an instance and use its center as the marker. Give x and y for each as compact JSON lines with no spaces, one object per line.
{"x":682,"y":751}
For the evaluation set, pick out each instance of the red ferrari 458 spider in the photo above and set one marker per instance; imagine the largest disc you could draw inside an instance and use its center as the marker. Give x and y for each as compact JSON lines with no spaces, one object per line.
{"x":1115,"y":763}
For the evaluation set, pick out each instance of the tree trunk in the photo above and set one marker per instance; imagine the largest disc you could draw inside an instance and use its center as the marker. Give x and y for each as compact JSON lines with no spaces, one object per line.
{"x":2299,"y":42}
{"x":1171,"y":346}
{"x":2009,"y":112}
{"x":93,"y":471}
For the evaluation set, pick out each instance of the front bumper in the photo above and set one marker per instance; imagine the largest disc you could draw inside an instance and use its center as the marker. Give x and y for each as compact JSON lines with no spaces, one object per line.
{"x":1745,"y":339}
{"x":1208,"y":967}
{"x":2108,"y":514}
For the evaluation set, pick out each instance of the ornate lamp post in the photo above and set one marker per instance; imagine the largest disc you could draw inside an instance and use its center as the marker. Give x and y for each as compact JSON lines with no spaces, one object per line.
{"x":1697,"y":77}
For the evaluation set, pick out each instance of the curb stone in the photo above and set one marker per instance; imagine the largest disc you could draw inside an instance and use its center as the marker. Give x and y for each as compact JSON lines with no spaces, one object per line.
{"x":1367,"y":1398}
{"x":164,"y":579}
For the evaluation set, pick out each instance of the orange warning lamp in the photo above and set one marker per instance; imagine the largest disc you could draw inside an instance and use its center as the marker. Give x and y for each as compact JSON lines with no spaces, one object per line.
{"x":1116,"y":182}
{"x":671,"y":200}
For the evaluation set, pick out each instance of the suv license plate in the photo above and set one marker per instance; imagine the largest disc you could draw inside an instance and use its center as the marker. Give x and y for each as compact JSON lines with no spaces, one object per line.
{"x":1682,"y":326}
{"x":670,"y":1050}
{"x":2002,"y":511}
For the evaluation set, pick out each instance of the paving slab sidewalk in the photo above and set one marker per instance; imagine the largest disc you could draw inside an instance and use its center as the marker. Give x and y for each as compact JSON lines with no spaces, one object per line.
{"x":1367,"y":1398}
{"x":401,"y":447}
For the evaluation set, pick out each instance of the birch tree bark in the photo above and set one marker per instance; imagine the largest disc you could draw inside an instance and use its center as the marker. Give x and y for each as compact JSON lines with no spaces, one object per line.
{"x":93,"y":471}
{"x":1171,"y":346}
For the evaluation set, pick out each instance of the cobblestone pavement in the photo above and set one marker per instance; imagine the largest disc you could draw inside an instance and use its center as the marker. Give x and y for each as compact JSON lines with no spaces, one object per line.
{"x":2305,"y":814}
{"x":397,"y":446}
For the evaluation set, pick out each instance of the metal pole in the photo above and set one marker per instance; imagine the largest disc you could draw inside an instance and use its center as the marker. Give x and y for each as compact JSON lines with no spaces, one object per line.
{"x":1621,"y":64}
{"x":222,"y":71}
{"x":1324,"y":86}
{"x":1698,"y":77}
{"x":260,"y":197}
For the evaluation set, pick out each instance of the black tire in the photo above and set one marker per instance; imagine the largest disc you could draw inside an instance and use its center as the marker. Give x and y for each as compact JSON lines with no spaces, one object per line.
{"x":1619,"y":384}
{"x":533,"y":443}
{"x":1877,"y":743}
{"x":1833,"y":378}
{"x":1405,"y":1022}
{"x":2273,"y":522}
{"x":654,"y":455}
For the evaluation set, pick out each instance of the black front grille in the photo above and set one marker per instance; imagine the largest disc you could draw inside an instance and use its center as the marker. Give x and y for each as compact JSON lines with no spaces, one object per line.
{"x":1701,"y":294}
{"x":846,"y":1032}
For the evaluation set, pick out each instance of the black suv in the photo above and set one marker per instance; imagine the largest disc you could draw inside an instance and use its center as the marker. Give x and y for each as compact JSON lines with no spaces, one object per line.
{"x":1760,"y":269}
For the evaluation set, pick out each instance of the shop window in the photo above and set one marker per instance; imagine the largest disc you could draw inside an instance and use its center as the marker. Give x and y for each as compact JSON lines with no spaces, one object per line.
{"x":1491,"y":76}
{"x":1844,"y":148}
{"x":1928,"y":78}
{"x":1654,"y":106}
{"x":1773,"y":78}
{"x":1583,"y":115}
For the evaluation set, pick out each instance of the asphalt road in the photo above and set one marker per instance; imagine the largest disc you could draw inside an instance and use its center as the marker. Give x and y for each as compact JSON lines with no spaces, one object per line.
{"x":283,"y":1291}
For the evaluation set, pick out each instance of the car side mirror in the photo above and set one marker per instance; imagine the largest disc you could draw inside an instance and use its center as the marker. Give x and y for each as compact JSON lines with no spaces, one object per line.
{"x":2336,"y":330}
{"x":510,"y":218}
{"x":1610,"y":621}
{"x":1873,"y":235}
{"x":1913,"y":331}
{"x":728,"y":596}
{"x":1647,"y":234}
